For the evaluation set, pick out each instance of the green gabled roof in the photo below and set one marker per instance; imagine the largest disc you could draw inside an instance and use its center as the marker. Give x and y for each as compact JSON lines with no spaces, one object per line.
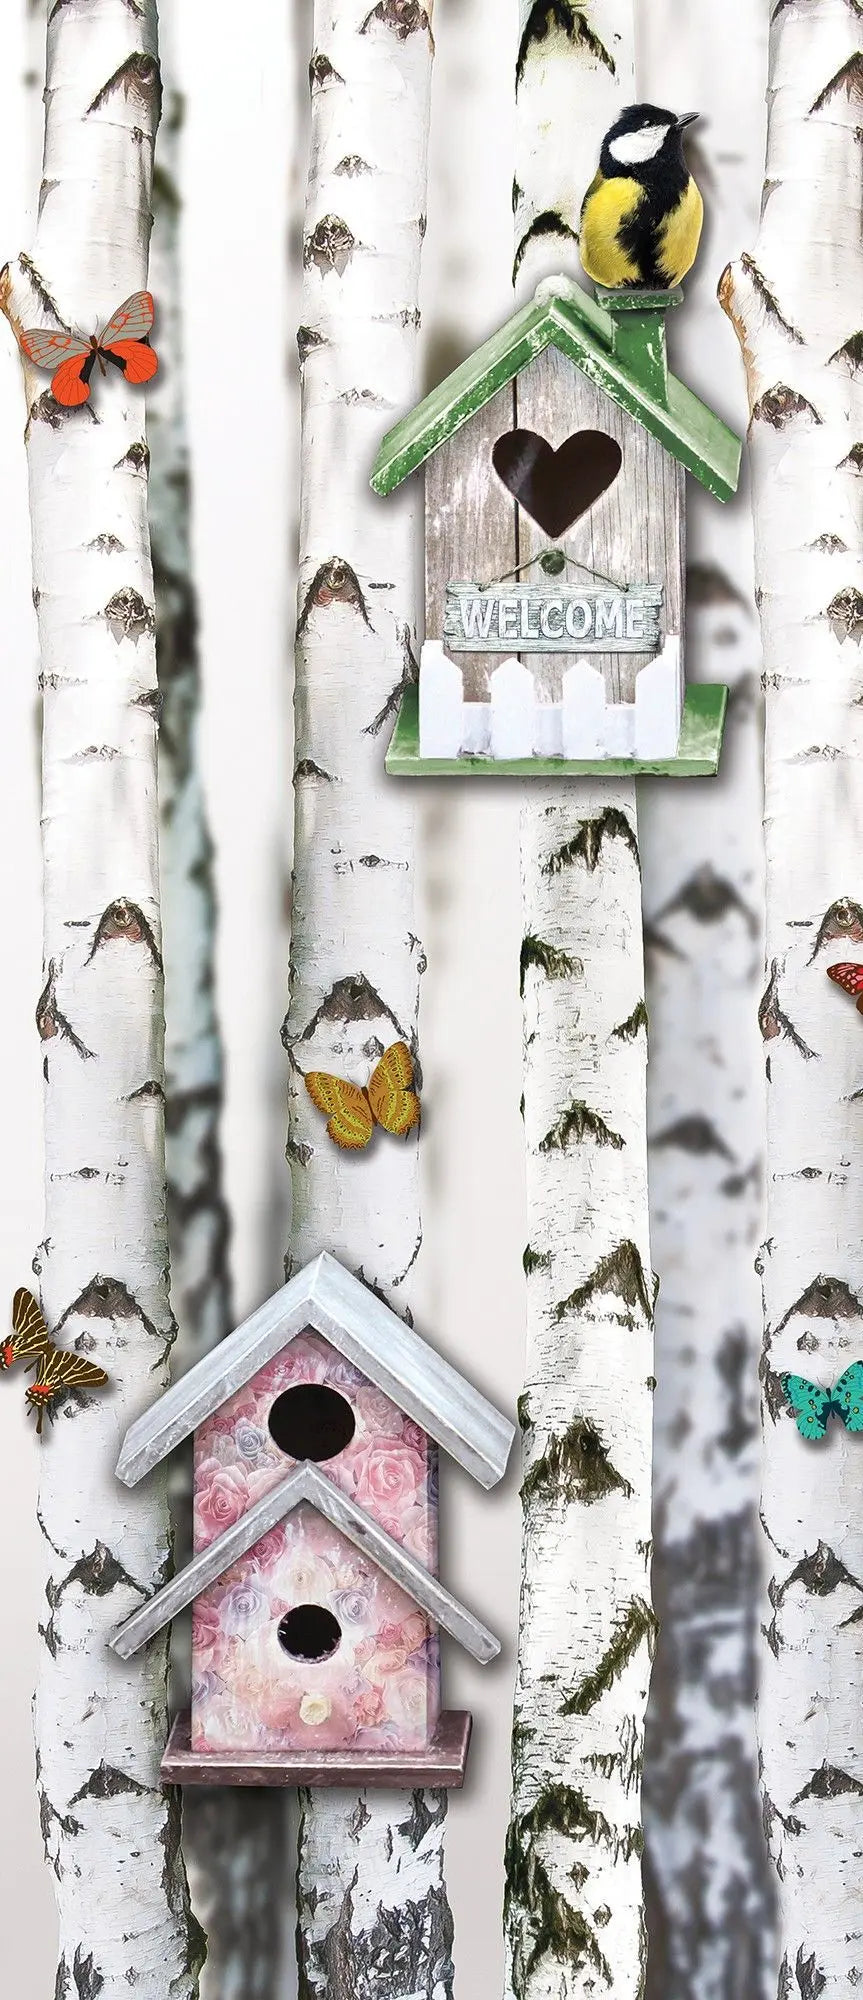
{"x":621,"y":350}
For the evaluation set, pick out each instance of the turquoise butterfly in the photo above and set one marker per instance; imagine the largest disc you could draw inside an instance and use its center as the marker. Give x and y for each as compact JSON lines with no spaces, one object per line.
{"x":812,"y":1407}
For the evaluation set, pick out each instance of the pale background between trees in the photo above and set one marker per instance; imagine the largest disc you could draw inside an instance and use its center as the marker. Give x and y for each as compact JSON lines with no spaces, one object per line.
{"x":244,"y":178}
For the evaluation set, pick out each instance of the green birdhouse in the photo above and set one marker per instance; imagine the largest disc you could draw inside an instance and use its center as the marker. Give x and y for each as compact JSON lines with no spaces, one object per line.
{"x":555,"y":461}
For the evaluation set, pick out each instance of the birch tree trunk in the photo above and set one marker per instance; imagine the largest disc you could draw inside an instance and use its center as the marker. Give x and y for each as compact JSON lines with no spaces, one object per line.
{"x":573,"y":1906}
{"x":111,"y":1831}
{"x":709,"y":1888}
{"x":795,"y":304}
{"x":234,"y":1840}
{"x":373,"y":1917}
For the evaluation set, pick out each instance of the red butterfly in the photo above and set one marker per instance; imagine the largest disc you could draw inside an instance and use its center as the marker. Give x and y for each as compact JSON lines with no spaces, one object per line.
{"x":124,"y":342}
{"x":850,"y":978}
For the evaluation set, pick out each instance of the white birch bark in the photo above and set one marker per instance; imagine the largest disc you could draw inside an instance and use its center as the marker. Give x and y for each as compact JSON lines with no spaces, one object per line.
{"x":574,"y":1916}
{"x":111,"y":1832}
{"x":234,"y":1840}
{"x":795,"y":303}
{"x":373,"y":1916}
{"x":709,"y":1900}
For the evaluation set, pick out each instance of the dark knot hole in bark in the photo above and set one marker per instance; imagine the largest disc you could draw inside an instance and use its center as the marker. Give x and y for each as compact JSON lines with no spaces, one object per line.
{"x":309,"y":1632}
{"x":311,"y":1421}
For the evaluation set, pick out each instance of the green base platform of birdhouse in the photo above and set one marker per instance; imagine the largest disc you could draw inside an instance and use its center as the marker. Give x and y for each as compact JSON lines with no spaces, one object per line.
{"x":698,"y":749}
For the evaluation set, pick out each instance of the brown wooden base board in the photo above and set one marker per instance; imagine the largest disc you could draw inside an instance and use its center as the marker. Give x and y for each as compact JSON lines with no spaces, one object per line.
{"x":442,"y":1764}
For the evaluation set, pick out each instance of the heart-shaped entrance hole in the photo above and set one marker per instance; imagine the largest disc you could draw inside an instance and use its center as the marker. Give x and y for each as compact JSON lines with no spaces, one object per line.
{"x":557,"y":487}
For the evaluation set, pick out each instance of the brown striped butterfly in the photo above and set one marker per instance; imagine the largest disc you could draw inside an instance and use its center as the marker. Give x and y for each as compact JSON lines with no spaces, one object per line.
{"x":29,"y":1337}
{"x":850,"y":978}
{"x":57,"y":1371}
{"x":388,"y":1100}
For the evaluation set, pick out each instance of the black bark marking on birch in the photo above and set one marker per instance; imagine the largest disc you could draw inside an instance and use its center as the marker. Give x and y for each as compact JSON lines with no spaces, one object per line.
{"x":137,"y":458}
{"x":735,"y":1185}
{"x":138,"y":77}
{"x":732,"y":1367}
{"x":322,"y":72}
{"x":842,"y":921}
{"x":408,"y":678}
{"x":587,"y":844}
{"x":123,"y":922}
{"x":819,"y":1575}
{"x":768,"y":298}
{"x":578,"y":1123}
{"x":828,"y":1782}
{"x":35,"y":279}
{"x":107,"y":544}
{"x":653,"y":939}
{"x":851,"y":352}
{"x":98,"y":1574}
{"x":549,"y":223}
{"x":421,"y":1817}
{"x":844,"y":614}
{"x":330,"y":246}
{"x":128,"y":617}
{"x":307,"y":768}
{"x":853,"y":458}
{"x":334,"y":582}
{"x":694,"y":1134}
{"x":636,"y":1626}
{"x":301,"y":1154}
{"x":824,"y":1298}
{"x":774,"y":1022}
{"x":555,"y":1928}
{"x":309,"y":339}
{"x":810,"y":1979}
{"x":575,"y":1466}
{"x":709,"y":898}
{"x":402,"y":17}
{"x":353,"y":166}
{"x":46,"y":410}
{"x":51,"y":1021}
{"x":829,"y":545}
{"x":621,"y":1274}
{"x":569,"y":20}
{"x":628,"y":1030}
{"x":849,"y":78}
{"x":548,"y":959}
{"x":107,"y":1782}
{"x":707,"y":585}
{"x":351,"y":999}
{"x":109,"y":1298}
{"x":535,"y":1260}
{"x":151,"y":1091}
{"x":399,"y":1953}
{"x":780,"y":405}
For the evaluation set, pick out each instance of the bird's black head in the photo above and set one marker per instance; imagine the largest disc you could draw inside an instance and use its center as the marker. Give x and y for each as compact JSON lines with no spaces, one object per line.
{"x":643,"y":139}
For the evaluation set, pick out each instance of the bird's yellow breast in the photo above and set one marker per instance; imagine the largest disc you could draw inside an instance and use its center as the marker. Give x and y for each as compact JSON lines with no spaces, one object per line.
{"x":607,"y":205}
{"x":680,"y":234}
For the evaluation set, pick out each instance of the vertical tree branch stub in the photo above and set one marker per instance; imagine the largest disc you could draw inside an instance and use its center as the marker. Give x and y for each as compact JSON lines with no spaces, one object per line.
{"x":111,"y":1832}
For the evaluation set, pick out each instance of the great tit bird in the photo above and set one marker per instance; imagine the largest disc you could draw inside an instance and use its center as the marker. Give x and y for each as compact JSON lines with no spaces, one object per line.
{"x":642,"y":215}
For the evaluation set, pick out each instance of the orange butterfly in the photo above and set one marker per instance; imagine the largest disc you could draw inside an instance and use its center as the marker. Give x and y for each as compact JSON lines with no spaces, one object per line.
{"x":124,"y":343}
{"x":388,"y":1100}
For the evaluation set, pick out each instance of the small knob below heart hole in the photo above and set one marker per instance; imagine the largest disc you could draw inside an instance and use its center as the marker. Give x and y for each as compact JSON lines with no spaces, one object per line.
{"x":557,"y":488}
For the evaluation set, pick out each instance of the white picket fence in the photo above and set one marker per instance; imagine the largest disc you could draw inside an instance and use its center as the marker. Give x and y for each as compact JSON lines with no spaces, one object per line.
{"x":514,"y":724}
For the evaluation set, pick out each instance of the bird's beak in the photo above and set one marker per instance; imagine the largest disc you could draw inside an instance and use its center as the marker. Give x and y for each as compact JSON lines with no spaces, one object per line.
{"x":689,"y":118}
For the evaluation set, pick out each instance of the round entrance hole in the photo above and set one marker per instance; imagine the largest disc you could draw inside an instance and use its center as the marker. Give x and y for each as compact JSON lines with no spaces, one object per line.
{"x":311,"y":1421}
{"x":309,"y":1632}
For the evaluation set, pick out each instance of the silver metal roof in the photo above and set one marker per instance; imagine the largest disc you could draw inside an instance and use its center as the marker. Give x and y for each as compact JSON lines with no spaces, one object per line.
{"x":307,"y":1483}
{"x":368,"y":1333}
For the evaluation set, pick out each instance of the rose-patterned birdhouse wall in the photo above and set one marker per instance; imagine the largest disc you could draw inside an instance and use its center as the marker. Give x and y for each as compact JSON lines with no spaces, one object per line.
{"x":305,"y":1643}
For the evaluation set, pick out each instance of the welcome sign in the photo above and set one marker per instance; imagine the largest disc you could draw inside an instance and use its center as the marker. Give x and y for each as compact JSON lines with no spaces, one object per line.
{"x":552,"y":618}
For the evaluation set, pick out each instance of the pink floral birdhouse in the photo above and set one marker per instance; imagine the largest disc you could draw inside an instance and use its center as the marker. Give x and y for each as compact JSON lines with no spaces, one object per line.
{"x":316,"y":1599}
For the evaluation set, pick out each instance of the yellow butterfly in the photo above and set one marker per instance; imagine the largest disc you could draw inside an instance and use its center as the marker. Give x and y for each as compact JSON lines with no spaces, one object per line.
{"x":353,"y":1113}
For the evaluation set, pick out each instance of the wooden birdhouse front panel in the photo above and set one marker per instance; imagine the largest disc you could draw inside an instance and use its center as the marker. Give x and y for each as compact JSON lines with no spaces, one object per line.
{"x":305,"y":1645}
{"x":309,"y":1403}
{"x":621,"y":562}
{"x":305,"y":1641}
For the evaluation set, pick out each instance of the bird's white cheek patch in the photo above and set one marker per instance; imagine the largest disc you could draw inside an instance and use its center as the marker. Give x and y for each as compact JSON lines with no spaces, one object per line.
{"x":633,"y":147}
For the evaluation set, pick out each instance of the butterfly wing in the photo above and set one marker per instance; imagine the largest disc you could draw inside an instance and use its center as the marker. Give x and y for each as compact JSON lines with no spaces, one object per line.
{"x":850,"y":977}
{"x":57,"y":1371}
{"x":70,"y":384}
{"x":809,"y":1405}
{"x":131,"y":321}
{"x":395,"y":1106}
{"x":349,"y":1120}
{"x":848,"y":1396}
{"x":138,"y":362}
{"x":30,"y":1336}
{"x":46,"y":347}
